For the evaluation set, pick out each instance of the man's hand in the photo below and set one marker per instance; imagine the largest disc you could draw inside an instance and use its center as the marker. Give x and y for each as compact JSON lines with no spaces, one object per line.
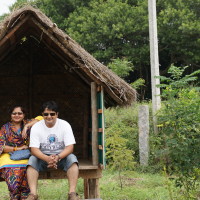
{"x":52,"y":162}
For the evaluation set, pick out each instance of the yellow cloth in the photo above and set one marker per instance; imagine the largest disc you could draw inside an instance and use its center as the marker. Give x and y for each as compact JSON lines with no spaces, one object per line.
{"x":39,"y":118}
{"x":5,"y":161}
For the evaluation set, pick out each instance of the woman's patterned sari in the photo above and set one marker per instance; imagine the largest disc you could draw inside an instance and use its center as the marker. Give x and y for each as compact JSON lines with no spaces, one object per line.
{"x":14,"y":172}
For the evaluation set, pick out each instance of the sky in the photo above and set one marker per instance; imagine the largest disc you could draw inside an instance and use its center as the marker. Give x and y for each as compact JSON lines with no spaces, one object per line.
{"x":4,"y":4}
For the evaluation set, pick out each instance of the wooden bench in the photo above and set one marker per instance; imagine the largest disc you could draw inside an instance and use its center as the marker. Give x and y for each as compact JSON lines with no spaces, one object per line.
{"x":87,"y":171}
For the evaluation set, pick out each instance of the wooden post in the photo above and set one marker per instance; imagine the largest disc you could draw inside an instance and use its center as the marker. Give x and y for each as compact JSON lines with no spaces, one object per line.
{"x":143,"y":123}
{"x":94,"y":123}
{"x":91,"y":188}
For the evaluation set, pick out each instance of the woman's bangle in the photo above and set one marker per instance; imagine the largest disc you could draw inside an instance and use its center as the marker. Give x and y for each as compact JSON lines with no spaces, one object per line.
{"x":15,"y":148}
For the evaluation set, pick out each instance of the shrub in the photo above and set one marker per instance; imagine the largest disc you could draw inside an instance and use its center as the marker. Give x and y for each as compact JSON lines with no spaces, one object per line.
{"x":124,"y":122}
{"x":179,"y":128}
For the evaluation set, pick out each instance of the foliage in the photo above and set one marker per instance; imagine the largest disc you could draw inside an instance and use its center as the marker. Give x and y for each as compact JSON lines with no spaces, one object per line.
{"x":138,"y":83}
{"x":178,"y":30}
{"x":110,"y":30}
{"x":121,"y":67}
{"x":20,"y":3}
{"x":124,"y":120}
{"x":120,"y":158}
{"x":120,"y":130}
{"x":179,"y":124}
{"x":177,"y":80}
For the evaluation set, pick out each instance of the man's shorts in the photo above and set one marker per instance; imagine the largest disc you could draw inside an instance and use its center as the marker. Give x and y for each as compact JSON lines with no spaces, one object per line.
{"x":41,"y":165}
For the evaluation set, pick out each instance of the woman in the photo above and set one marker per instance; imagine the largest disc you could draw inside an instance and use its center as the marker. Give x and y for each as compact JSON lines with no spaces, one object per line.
{"x":12,"y":138}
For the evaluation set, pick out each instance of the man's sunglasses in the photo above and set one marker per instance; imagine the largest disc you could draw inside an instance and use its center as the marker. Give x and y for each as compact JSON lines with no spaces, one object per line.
{"x":17,"y":113}
{"x":47,"y":114}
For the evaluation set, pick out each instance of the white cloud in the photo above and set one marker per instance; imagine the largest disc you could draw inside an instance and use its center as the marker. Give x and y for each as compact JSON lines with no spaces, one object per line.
{"x":4,"y":4}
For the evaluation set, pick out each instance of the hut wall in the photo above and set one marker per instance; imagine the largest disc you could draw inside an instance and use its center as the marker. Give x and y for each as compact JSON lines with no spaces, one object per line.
{"x":32,"y":75}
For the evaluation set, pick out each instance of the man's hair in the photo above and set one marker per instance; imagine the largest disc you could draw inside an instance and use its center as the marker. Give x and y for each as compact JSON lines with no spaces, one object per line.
{"x":50,"y":105}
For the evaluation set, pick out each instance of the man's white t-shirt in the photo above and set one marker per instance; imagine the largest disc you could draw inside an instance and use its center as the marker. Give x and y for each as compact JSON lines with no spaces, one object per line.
{"x":51,"y":140}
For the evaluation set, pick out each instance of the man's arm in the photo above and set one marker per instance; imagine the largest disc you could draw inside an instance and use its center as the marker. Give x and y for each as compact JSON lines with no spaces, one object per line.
{"x":67,"y":150}
{"x":52,"y":159}
{"x":37,"y":153}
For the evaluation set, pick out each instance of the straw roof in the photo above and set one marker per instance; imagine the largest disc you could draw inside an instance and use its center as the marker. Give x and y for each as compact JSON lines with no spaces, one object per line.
{"x":29,"y":21}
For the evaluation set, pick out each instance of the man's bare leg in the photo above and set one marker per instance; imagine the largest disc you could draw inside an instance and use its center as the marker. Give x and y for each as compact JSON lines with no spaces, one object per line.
{"x":32,"y":176}
{"x":72,"y":174}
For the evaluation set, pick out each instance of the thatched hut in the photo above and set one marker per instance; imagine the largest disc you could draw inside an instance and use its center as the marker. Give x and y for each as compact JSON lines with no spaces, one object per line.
{"x":39,"y":62}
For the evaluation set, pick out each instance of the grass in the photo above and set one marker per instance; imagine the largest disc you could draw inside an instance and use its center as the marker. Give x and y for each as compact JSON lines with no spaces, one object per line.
{"x":136,"y":186}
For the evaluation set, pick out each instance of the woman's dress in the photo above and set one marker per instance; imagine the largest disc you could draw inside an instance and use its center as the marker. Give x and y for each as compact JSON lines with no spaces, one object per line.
{"x":14,"y":172}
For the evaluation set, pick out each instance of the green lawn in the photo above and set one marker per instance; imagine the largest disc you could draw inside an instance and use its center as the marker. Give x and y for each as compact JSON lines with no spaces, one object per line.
{"x":136,"y":186}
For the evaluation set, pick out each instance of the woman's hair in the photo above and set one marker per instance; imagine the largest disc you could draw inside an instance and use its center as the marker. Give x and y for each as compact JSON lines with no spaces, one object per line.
{"x":50,"y":105}
{"x":11,"y":109}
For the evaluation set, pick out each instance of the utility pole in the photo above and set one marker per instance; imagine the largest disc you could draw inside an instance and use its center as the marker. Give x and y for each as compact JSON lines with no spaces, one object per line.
{"x":156,"y":101}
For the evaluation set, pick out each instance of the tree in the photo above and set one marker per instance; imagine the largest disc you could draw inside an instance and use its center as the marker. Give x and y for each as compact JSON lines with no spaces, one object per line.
{"x":111,"y":29}
{"x":178,"y":31}
{"x":57,"y":10}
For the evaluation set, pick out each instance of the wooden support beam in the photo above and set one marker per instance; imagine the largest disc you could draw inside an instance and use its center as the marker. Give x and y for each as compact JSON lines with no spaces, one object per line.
{"x":94,"y":123}
{"x":91,"y":188}
{"x":9,"y":35}
{"x":13,"y":39}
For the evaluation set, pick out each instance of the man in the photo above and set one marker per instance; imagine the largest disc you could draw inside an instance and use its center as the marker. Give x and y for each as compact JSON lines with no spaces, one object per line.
{"x":52,"y":142}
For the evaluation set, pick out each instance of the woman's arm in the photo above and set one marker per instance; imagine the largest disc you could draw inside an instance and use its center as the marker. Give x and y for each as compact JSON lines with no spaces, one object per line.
{"x":8,"y":149}
{"x":5,"y":148}
{"x":29,"y":125}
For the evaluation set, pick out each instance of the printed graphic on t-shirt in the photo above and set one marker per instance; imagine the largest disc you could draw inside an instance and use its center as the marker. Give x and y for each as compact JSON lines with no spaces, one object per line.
{"x":52,"y":146}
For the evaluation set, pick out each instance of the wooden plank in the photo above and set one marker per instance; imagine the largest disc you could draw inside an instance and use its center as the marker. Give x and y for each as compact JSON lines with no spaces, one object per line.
{"x":100,"y":111}
{"x":94,"y":123}
{"x":59,"y":174}
{"x":101,"y":147}
{"x":100,"y":130}
{"x":86,"y":188}
{"x":86,"y":170}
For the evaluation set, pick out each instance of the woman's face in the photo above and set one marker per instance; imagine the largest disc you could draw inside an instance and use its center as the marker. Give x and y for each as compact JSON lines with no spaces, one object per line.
{"x":17,"y":115}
